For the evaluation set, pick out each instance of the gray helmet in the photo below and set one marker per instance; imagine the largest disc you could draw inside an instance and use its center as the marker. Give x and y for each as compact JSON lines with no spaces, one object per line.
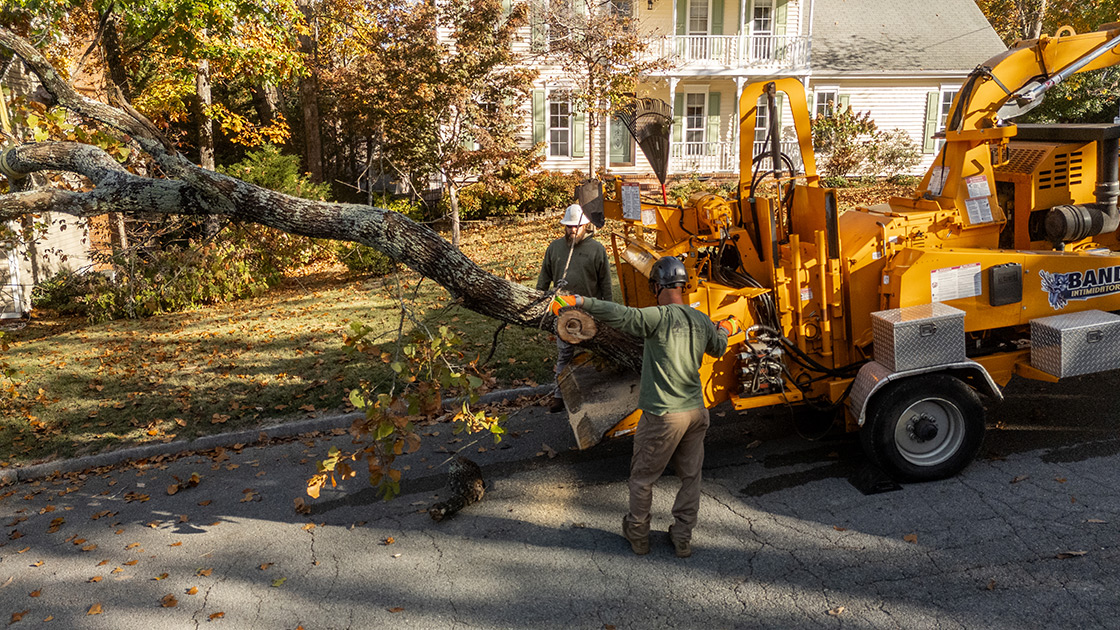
{"x":667,"y":273}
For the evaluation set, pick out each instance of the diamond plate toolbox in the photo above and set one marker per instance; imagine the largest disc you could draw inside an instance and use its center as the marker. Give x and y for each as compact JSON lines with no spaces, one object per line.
{"x":918,"y":336}
{"x":1076,"y":343}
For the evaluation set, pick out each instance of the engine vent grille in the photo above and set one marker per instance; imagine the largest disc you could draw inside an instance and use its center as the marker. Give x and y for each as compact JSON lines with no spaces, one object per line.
{"x":1023,"y":160}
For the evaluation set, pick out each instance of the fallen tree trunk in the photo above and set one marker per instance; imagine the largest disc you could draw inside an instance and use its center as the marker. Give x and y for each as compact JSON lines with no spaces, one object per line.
{"x":190,"y":190}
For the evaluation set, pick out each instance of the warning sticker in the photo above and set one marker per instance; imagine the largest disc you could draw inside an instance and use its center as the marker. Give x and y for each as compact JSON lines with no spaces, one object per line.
{"x":977,"y":186}
{"x":954,"y":283}
{"x":979,"y":211}
{"x":631,"y":201}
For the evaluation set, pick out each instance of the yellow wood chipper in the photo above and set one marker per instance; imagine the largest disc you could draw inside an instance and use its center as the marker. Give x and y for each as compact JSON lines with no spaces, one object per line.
{"x":898,"y":315}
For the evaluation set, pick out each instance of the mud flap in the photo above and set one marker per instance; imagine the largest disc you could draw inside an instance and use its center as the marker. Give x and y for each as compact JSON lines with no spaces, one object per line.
{"x":598,"y":397}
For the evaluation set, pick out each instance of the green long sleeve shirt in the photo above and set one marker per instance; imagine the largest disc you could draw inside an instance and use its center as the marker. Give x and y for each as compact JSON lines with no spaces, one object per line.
{"x":676,"y":339}
{"x":589,"y":274}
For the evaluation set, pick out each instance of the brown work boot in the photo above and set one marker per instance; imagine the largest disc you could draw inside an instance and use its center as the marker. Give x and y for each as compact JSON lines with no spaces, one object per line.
{"x":682,"y":547}
{"x":638,"y":542}
{"x":557,"y":405}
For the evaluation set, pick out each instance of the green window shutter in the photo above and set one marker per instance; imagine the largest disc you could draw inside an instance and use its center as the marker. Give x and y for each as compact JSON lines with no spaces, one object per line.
{"x":538,"y":116}
{"x":682,"y":16}
{"x":933,"y":103}
{"x":781,"y":16}
{"x":717,"y":17}
{"x":712,"y":133}
{"x":678,"y":118}
{"x":779,"y":107}
{"x":579,"y":130}
{"x":538,"y":35}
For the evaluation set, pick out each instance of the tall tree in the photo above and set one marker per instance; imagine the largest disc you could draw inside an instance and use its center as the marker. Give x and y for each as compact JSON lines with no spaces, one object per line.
{"x":439,"y":86}
{"x":602,"y":54}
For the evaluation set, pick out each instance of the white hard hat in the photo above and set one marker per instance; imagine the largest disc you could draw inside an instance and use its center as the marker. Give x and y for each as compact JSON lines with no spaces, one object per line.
{"x":574,"y":216}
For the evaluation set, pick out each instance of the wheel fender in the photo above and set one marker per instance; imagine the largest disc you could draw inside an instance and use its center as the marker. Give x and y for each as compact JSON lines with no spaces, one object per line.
{"x":873,"y":376}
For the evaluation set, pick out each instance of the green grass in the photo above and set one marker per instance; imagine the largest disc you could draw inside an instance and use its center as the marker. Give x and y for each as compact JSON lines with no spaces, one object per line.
{"x":84,"y":388}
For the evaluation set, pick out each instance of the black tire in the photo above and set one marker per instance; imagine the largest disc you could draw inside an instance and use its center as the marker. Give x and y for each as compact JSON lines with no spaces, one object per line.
{"x":943,"y":408}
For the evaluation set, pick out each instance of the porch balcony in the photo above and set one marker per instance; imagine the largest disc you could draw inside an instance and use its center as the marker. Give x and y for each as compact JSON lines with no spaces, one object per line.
{"x":755,"y":52}
{"x":719,"y":157}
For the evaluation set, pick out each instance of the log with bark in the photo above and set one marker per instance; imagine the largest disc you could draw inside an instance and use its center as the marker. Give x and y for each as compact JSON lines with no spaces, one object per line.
{"x":188,"y":189}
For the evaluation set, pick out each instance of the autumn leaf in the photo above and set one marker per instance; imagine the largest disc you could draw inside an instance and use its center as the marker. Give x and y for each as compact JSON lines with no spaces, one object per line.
{"x":102,"y":563}
{"x":172,"y":489}
{"x":131,"y":546}
{"x":18,"y":616}
{"x":308,"y":527}
{"x":131,"y":563}
{"x":910,"y":538}
{"x":278,"y":582}
{"x":1070,"y":554}
{"x":301,"y":506}
{"x":169,"y":601}
{"x":389,"y":540}
{"x":204,"y":572}
{"x":1020,"y":478}
{"x":835,"y":612}
{"x":177,"y":543}
{"x":396,"y":609}
{"x":217,"y":615}
{"x":161,"y":576}
{"x":192,"y":590}
{"x":264,"y":567}
{"x":94,"y":579}
{"x":89,"y":547}
{"x":94,"y":609}
{"x":35,"y":593}
{"x":37,"y":563}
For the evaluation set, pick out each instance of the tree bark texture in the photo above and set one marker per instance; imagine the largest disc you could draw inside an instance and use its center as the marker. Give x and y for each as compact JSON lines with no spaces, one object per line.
{"x":206,"y":134}
{"x":309,"y":99}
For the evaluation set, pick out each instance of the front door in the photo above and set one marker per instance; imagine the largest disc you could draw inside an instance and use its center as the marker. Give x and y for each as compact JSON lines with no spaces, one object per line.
{"x":622,"y":143}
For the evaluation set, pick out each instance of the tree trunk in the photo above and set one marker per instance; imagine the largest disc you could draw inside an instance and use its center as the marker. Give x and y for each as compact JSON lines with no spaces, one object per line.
{"x":266,"y":100}
{"x":453,"y":194}
{"x":111,"y":46}
{"x":309,"y":98}
{"x":211,"y":225}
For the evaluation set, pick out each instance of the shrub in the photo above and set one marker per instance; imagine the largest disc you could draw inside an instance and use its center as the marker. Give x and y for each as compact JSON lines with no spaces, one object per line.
{"x":844,"y":140}
{"x":894,"y":153}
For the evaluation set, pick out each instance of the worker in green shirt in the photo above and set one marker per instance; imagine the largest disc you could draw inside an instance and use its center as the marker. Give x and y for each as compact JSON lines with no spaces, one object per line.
{"x":575,"y":263}
{"x":671,"y":397}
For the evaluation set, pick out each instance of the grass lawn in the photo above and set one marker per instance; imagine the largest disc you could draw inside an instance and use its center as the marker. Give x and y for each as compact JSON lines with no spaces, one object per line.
{"x":86,"y":387}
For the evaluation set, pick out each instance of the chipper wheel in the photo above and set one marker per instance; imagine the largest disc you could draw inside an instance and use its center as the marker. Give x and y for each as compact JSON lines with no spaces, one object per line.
{"x":924,"y":428}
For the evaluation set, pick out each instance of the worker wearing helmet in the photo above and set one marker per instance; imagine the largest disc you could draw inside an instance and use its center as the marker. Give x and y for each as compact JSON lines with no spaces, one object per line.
{"x":578,"y":264}
{"x":674,"y":419}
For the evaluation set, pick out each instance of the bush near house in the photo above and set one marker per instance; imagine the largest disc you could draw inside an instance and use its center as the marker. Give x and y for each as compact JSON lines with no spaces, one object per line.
{"x":850,"y":143}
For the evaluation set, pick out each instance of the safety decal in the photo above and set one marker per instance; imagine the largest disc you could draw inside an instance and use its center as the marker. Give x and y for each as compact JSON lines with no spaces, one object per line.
{"x":1077,"y":285}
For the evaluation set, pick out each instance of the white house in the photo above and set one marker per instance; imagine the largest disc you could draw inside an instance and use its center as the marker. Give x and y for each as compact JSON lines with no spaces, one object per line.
{"x":901,"y":61}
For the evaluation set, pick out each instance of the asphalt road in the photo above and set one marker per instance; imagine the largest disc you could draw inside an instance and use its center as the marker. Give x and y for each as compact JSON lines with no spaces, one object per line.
{"x":1026,"y":537}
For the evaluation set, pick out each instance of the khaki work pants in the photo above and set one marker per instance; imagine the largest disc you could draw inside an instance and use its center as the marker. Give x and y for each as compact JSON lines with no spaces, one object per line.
{"x":673,"y":437}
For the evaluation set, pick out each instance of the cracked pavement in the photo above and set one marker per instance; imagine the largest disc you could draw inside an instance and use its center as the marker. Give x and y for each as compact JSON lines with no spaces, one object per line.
{"x":1027,"y":536}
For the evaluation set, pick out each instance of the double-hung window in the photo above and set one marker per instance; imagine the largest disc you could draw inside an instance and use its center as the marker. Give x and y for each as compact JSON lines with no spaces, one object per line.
{"x":559,"y":128}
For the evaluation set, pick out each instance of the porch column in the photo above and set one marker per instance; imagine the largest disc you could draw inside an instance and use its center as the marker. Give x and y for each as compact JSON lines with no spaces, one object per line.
{"x":740,"y":83}
{"x":676,"y":116}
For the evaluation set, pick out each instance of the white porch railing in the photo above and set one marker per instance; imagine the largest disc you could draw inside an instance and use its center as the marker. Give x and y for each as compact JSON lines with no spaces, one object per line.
{"x":720,"y":157}
{"x":736,"y":51}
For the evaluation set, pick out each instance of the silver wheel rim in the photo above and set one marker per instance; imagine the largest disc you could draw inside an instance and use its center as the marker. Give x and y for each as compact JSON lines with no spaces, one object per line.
{"x":948,"y":420}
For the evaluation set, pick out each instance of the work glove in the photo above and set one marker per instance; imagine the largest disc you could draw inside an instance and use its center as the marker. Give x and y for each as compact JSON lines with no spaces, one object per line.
{"x":730,"y":326}
{"x":564,"y":300}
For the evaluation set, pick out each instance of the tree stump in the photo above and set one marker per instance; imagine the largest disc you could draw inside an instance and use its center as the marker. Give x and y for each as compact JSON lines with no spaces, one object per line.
{"x":575,"y":326}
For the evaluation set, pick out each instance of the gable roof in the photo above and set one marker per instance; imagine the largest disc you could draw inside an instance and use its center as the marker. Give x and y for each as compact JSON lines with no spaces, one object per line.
{"x":900,"y":36}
